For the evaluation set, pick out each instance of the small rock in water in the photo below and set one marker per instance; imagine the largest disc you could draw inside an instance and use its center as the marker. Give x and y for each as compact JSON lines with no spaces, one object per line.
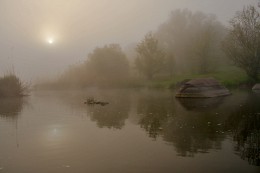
{"x":66,"y":166}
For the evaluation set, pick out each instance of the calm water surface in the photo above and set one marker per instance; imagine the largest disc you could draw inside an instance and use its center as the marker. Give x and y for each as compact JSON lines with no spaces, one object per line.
{"x":138,"y":131}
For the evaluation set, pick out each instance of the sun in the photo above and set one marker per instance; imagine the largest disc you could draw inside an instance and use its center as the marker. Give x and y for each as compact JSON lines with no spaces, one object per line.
{"x":50,"y":40}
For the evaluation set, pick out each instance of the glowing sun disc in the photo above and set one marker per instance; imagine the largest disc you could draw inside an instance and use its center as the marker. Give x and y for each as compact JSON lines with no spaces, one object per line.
{"x":50,"y":40}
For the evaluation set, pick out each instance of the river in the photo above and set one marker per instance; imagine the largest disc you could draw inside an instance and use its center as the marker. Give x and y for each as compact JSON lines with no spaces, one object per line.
{"x":139,"y":131}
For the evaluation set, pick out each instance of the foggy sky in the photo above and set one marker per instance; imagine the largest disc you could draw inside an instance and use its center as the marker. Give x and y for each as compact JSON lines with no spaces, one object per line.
{"x":78,"y":26}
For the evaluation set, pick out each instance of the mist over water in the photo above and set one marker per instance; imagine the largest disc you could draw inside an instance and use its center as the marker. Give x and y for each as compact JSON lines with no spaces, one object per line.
{"x":139,"y":130}
{"x":129,"y":86}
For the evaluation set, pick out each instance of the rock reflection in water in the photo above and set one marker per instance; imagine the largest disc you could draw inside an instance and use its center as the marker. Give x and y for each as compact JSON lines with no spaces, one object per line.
{"x":10,"y":107}
{"x":200,"y":103}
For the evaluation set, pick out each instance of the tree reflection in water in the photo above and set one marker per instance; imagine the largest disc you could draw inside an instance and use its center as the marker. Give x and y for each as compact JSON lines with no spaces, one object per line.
{"x":10,"y":108}
{"x":245,"y":126}
{"x":193,"y":133}
{"x":112,"y":115}
{"x":199,"y":125}
{"x":191,"y":126}
{"x":189,"y":131}
{"x":154,"y":113}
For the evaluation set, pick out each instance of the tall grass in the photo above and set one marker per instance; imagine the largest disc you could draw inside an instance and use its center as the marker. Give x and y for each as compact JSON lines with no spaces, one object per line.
{"x":11,"y":86}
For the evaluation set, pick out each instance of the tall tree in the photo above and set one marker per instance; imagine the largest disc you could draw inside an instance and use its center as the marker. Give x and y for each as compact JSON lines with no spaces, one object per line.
{"x":108,"y":64}
{"x":242,"y":44}
{"x":150,"y":58}
{"x":194,"y":40}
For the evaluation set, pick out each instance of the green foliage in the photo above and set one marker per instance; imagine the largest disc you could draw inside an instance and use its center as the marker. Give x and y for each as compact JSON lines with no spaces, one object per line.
{"x":228,"y":75}
{"x":11,"y":86}
{"x":150,"y":59}
{"x":242,"y":44}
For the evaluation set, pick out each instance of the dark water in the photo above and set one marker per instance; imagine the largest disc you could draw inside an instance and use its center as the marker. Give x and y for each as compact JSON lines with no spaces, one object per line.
{"x":138,"y":131}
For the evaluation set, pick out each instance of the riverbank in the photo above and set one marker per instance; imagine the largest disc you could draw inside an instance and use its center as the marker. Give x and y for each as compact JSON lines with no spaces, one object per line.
{"x":229,"y":77}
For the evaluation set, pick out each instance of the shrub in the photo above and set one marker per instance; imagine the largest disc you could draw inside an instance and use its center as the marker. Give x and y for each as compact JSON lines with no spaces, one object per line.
{"x":11,"y":86}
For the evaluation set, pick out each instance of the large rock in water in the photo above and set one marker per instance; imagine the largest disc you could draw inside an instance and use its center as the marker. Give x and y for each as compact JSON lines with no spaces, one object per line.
{"x":202,"y":88}
{"x":256,"y":88}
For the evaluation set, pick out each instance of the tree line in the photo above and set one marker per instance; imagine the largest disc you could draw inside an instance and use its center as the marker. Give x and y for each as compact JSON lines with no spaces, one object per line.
{"x":186,"y":42}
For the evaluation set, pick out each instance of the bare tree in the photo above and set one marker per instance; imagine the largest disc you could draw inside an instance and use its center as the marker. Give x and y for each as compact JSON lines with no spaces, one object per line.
{"x":242,"y":44}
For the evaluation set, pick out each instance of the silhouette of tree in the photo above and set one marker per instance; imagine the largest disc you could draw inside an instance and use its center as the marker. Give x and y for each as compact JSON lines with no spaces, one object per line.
{"x":108,"y":65}
{"x":193,"y":39}
{"x":150,"y":58}
{"x":242,"y":44}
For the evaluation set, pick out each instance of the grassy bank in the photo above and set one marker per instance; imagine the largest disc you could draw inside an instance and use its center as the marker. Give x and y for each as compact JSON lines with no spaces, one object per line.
{"x":228,"y":76}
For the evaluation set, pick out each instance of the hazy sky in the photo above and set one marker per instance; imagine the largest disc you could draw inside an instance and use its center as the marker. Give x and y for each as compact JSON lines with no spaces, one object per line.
{"x":76,"y":27}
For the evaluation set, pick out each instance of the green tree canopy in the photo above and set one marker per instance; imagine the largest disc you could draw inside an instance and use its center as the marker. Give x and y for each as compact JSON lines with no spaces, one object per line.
{"x":242,"y":44}
{"x":150,"y":58}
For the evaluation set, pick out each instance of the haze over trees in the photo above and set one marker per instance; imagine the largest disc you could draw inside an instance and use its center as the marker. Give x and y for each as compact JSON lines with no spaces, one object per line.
{"x":242,"y":44}
{"x":150,"y":57}
{"x":193,"y":39}
{"x":105,"y":65}
{"x":187,"y":43}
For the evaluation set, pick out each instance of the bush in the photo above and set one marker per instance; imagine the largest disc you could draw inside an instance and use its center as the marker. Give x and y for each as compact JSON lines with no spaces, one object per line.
{"x":11,"y":86}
